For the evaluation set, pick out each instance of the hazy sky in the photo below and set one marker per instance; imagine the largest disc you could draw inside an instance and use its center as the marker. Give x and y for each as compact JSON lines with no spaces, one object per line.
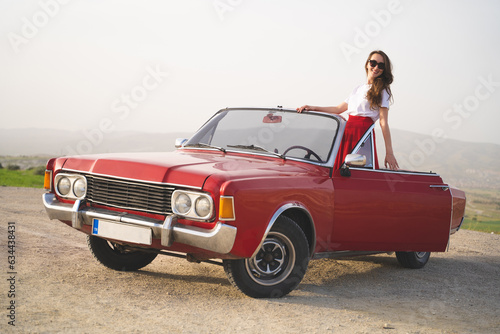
{"x":167,"y":66}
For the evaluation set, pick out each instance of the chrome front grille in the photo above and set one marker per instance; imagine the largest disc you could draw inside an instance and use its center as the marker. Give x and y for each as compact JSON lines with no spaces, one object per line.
{"x":126,"y":194}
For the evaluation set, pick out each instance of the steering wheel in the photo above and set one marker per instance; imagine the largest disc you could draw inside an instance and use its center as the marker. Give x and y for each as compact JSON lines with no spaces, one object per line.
{"x":308,"y":150}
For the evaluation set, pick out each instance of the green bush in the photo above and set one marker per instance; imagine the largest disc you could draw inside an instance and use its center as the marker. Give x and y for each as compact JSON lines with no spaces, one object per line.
{"x":20,"y":178}
{"x":13,"y":167}
{"x":40,"y":170}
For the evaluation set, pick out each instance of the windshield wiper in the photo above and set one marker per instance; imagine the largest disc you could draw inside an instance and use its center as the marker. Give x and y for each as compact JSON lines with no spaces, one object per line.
{"x":206,"y":145}
{"x":257,"y":148}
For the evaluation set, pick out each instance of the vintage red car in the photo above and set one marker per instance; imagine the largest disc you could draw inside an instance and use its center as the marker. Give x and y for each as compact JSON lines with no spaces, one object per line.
{"x":256,"y":188}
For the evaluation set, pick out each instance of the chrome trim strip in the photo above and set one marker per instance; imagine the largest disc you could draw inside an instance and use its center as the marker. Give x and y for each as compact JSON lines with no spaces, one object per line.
{"x":374,"y":156}
{"x":394,"y":171}
{"x":368,"y":132}
{"x":443,"y":187}
{"x":324,"y":164}
{"x":275,"y":217}
{"x":130,"y":179}
{"x":459,"y":226}
{"x":208,"y":148}
{"x":220,"y":239}
{"x":451,"y":220}
{"x":341,"y":254}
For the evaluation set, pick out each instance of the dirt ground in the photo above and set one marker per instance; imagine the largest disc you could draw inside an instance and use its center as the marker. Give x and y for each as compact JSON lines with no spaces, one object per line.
{"x":60,"y":288}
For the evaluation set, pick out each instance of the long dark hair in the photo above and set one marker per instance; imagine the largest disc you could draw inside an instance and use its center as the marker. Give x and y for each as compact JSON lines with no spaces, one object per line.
{"x":383,"y":81}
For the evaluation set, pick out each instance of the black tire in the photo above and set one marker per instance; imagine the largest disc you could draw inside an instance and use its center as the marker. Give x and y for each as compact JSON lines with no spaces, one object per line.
{"x":116,"y":257}
{"x":278,"y":267}
{"x":413,"y":260}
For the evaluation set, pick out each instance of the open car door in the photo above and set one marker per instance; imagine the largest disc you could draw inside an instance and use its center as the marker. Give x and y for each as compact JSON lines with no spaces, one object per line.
{"x":384,"y":210}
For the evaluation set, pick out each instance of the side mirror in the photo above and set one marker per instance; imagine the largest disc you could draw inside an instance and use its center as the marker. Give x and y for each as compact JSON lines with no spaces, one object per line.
{"x":355,"y":160}
{"x":179,"y":142}
{"x":344,"y":170}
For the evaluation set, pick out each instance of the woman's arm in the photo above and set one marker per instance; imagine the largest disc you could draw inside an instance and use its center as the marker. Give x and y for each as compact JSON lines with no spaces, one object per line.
{"x":330,"y":110}
{"x":390,"y":160}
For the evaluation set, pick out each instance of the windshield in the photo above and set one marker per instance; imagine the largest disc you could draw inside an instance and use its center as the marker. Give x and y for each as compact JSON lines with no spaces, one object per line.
{"x":276,"y":132}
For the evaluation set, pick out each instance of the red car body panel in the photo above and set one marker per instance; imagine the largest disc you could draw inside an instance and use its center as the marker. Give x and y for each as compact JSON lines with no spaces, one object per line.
{"x":395,"y":211}
{"x":258,"y":198}
{"x":368,"y":211}
{"x":186,"y":169}
{"x":458,"y":208}
{"x":260,"y":184}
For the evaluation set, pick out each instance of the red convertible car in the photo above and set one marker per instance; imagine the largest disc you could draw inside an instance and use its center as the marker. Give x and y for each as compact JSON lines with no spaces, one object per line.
{"x":256,"y":188}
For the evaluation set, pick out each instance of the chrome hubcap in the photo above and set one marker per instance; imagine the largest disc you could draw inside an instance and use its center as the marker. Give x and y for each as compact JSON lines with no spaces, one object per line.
{"x":274,"y":261}
{"x":420,"y":255}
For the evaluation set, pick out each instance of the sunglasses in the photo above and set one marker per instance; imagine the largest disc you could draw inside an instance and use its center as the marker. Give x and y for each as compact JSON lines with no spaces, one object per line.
{"x":373,"y":63}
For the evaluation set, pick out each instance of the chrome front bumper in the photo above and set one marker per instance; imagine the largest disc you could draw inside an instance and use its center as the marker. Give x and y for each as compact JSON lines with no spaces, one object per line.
{"x":220,"y":239}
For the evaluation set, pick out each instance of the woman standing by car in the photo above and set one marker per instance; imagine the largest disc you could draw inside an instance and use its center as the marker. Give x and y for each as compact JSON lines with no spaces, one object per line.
{"x":366,"y":104}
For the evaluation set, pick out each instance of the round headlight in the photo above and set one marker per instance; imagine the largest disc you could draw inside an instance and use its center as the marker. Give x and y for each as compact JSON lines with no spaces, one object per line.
{"x":64,"y":186}
{"x":202,"y":207}
{"x":182,"y":203}
{"x":79,"y":188}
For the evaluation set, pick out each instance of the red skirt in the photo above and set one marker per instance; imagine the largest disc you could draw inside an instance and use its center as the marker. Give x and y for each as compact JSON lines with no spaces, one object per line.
{"x":355,"y":128}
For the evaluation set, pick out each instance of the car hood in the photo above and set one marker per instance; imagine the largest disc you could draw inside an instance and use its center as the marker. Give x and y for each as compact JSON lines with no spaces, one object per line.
{"x":187,"y":167}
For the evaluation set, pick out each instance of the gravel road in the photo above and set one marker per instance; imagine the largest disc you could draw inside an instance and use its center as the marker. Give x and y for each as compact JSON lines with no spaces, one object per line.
{"x":60,"y":288}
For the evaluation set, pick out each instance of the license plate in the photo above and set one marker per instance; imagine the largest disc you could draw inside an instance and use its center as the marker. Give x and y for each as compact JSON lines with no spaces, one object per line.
{"x":122,"y":232}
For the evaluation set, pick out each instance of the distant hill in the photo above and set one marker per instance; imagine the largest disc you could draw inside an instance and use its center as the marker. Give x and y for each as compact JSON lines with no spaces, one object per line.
{"x":464,"y":164}
{"x":31,"y":142}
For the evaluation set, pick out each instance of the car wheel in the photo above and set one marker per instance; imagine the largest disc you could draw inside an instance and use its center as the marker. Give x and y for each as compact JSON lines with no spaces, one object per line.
{"x":279,"y":265}
{"x":413,"y":260}
{"x":116,"y":257}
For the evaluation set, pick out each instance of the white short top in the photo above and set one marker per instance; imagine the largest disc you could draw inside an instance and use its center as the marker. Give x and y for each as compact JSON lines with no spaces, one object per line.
{"x":358,"y":105}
